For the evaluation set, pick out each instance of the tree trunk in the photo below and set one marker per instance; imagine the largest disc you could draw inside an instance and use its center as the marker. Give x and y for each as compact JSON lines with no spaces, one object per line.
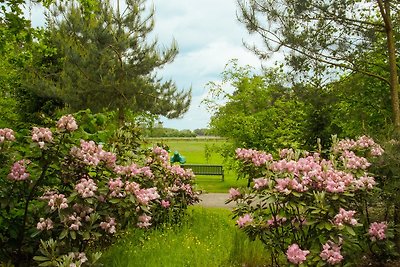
{"x":121,"y":116}
{"x":394,"y":80}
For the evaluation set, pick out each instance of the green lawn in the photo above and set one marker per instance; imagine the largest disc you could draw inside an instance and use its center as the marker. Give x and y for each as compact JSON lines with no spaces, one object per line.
{"x":194,"y":150}
{"x":206,"y":237}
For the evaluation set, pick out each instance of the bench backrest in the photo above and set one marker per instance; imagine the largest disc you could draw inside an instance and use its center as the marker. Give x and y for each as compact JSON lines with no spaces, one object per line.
{"x":205,"y":169}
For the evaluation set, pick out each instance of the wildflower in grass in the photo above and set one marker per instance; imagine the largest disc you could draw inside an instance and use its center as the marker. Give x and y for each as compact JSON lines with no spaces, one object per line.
{"x":296,"y":255}
{"x":377,"y":230}
{"x":18,"y":171}
{"x":345,"y":217}
{"x":41,"y":136}
{"x":165,"y":204}
{"x":109,"y":226}
{"x":6,"y":134}
{"x":331,"y":253}
{"x":144,"y":221}
{"x":68,"y":123}
{"x":260,"y":183}
{"x":244,"y":220}
{"x":234,"y":193}
{"x":86,"y":188}
{"x":44,"y":224}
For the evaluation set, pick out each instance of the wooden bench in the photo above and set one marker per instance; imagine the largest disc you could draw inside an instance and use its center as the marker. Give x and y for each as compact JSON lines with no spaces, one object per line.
{"x":203,"y":169}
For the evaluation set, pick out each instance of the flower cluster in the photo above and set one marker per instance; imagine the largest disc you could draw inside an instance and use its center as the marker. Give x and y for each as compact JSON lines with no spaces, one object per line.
{"x":244,"y":220}
{"x":165,"y":204}
{"x":55,"y":201}
{"x":377,"y":230}
{"x":92,"y":154}
{"x":86,"y":187}
{"x":109,"y":226}
{"x":6,"y":135}
{"x":133,"y":170}
{"x":44,"y":224}
{"x":351,"y":161}
{"x":42,"y":136}
{"x":144,"y":221}
{"x":257,"y":158}
{"x":260,"y":183}
{"x":18,"y":171}
{"x":162,"y":155}
{"x":181,"y":172}
{"x":83,"y":211}
{"x":345,"y":217}
{"x":68,"y":123}
{"x":116,"y":186}
{"x":361,"y":143}
{"x":331,"y":253}
{"x":296,"y":255}
{"x":74,"y":222}
{"x":234,"y":193}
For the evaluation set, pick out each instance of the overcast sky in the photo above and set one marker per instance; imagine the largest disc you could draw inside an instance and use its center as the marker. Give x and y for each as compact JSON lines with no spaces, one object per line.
{"x":208,"y":35}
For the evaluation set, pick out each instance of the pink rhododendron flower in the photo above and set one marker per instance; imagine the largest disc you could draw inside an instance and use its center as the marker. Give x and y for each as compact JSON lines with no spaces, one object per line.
{"x":109,"y":226}
{"x":296,"y":255}
{"x":56,"y":201}
{"x":116,"y":186}
{"x":234,"y":193}
{"x":377,"y":230}
{"x":165,"y":204}
{"x":92,"y":154}
{"x":133,"y":170}
{"x":74,"y":222}
{"x":80,"y":256}
{"x":365,"y":182}
{"x":331,"y":253}
{"x":18,"y":171}
{"x":276,"y":221}
{"x":6,"y":134}
{"x":44,"y":224}
{"x":86,"y":188}
{"x":83,"y":211}
{"x":144,"y":221}
{"x":345,"y":217}
{"x":41,"y":136}
{"x":257,"y":158}
{"x":351,"y":161}
{"x":162,"y":155}
{"x":68,"y":123}
{"x":260,"y":183}
{"x":244,"y":220}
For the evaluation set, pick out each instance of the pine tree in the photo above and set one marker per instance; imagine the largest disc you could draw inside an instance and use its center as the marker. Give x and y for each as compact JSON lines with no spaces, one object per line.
{"x":106,"y":61}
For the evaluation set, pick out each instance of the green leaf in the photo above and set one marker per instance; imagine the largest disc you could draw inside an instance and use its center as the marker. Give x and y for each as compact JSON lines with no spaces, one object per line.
{"x":40,"y":258}
{"x":350,"y":230}
{"x":63,"y":234}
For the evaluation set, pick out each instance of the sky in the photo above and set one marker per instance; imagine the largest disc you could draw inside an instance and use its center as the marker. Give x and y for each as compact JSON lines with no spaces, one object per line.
{"x":208,"y":35}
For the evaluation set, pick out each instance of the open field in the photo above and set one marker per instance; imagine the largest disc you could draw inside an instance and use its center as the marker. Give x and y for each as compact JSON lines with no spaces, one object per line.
{"x":194,"y":150}
{"x":206,"y":237}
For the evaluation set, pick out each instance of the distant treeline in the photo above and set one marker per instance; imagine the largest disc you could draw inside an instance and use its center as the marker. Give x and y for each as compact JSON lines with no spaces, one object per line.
{"x":170,"y":132}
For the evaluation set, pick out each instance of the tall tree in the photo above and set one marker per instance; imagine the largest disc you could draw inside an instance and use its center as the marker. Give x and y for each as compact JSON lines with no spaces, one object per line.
{"x":107,"y":61}
{"x":325,"y":35}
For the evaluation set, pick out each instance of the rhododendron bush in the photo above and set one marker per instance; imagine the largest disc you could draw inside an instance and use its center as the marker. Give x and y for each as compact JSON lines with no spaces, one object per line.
{"x":313,"y":210}
{"x":62,"y":197}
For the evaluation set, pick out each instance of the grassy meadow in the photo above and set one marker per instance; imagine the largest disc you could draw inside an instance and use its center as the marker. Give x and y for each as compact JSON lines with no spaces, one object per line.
{"x":206,"y":237}
{"x":195,"y":151}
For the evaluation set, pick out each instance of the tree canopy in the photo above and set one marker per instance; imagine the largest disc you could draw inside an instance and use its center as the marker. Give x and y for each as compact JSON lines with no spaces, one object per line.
{"x":323,"y":36}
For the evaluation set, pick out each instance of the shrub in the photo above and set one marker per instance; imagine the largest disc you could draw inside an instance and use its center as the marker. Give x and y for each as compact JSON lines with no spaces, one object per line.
{"x":62,"y":199}
{"x":310,"y":210}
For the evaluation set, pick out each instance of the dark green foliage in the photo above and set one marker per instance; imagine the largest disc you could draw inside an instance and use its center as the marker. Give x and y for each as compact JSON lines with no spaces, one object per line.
{"x":105,"y":61}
